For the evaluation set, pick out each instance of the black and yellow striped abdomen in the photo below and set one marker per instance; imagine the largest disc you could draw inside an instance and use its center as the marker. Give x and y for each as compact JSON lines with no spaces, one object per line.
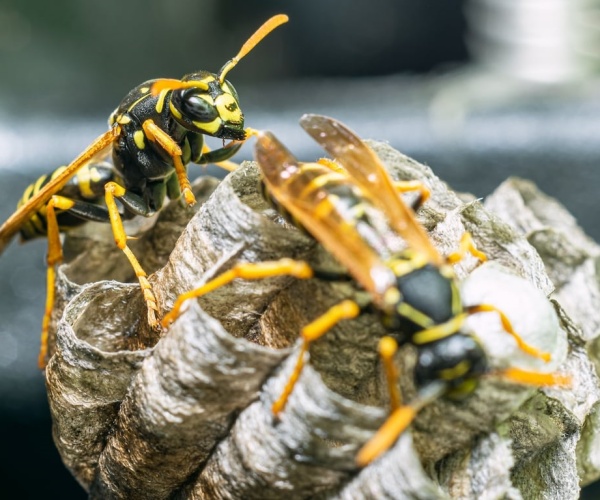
{"x":87,"y":185}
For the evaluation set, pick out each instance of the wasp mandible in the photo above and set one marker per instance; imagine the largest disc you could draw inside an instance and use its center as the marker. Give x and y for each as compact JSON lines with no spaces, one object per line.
{"x":157,"y":129}
{"x":414,"y":291}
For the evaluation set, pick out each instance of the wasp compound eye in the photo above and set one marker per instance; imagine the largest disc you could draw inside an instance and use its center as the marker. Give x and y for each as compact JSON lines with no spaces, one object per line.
{"x":198,"y":108}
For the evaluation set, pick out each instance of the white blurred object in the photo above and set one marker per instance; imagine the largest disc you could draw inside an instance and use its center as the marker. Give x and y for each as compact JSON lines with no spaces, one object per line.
{"x":548,"y":41}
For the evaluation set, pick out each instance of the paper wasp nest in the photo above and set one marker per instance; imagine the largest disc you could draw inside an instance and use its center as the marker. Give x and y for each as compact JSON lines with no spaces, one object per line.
{"x":187,"y":414}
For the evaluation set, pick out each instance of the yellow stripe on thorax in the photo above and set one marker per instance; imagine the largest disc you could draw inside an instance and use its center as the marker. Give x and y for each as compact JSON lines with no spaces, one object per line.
{"x":457,"y":371}
{"x":407,"y":311}
{"x":137,"y":101}
{"x":160,"y":103}
{"x":440,"y":331}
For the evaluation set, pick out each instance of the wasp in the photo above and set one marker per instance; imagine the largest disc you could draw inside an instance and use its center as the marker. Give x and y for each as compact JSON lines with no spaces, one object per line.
{"x":157,"y":129}
{"x":414,"y":291}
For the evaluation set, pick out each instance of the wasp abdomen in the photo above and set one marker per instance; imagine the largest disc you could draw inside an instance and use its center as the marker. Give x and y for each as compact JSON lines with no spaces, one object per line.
{"x":87,"y":185}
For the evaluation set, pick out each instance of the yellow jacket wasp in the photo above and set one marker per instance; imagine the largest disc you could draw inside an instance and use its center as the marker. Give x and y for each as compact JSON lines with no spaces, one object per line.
{"x":414,"y":291}
{"x":154,"y":133}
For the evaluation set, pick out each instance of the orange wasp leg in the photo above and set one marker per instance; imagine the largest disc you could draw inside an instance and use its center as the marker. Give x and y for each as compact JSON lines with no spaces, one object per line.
{"x":400,"y":186}
{"x":112,"y":191}
{"x":401,"y":416}
{"x":55,"y":257}
{"x":387,"y":434}
{"x":387,"y":350}
{"x":155,"y":134}
{"x":507,"y":326}
{"x":409,"y":186}
{"x":536,"y":378}
{"x":247,"y":271}
{"x":466,"y":245}
{"x":346,"y":309}
{"x":228,"y":165}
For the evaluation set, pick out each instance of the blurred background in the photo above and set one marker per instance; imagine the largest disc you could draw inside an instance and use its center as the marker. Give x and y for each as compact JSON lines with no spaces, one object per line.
{"x":478,"y":89}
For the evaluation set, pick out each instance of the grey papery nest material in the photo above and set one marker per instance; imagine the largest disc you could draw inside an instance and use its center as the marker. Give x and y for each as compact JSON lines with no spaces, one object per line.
{"x":187,"y":414}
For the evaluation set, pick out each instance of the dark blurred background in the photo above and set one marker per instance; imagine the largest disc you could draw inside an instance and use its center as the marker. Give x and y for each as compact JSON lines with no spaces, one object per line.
{"x":480,"y":90}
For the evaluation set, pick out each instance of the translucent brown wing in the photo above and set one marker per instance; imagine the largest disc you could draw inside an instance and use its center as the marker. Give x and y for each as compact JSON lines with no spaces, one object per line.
{"x":16,"y":220}
{"x":365,"y":168}
{"x":289,"y":182}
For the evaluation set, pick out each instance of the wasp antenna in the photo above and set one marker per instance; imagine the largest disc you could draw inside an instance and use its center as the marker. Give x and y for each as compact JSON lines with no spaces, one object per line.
{"x":172,"y":84}
{"x":258,"y":35}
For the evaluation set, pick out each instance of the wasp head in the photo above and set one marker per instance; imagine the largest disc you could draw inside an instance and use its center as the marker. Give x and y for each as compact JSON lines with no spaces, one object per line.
{"x":210,"y":107}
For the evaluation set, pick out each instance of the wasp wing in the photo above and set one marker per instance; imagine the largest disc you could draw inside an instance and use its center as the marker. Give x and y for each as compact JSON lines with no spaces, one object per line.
{"x":312,"y":207}
{"x":37,"y":201}
{"x":365,"y":167}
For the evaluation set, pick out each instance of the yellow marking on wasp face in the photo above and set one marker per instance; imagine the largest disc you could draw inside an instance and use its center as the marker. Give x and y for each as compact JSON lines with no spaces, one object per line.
{"x":228,"y":108}
{"x":174,"y":111}
{"x":160,"y":103}
{"x":139,"y":139}
{"x":145,"y":90}
{"x":440,"y":331}
{"x":456,"y":371}
{"x":226,"y":88}
{"x":209,"y":127}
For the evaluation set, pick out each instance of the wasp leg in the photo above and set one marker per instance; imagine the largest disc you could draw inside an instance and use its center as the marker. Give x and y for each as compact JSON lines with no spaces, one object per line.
{"x":55,"y":257}
{"x":112,"y":191}
{"x":507,"y":325}
{"x":401,"y":186}
{"x":247,"y":271}
{"x":387,"y":434}
{"x":536,"y":378}
{"x":396,"y":424}
{"x":220,"y":157}
{"x":466,"y":245}
{"x":154,"y":133}
{"x":408,"y":186}
{"x":332,"y":165}
{"x":387,"y":350}
{"x":347,"y":309}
